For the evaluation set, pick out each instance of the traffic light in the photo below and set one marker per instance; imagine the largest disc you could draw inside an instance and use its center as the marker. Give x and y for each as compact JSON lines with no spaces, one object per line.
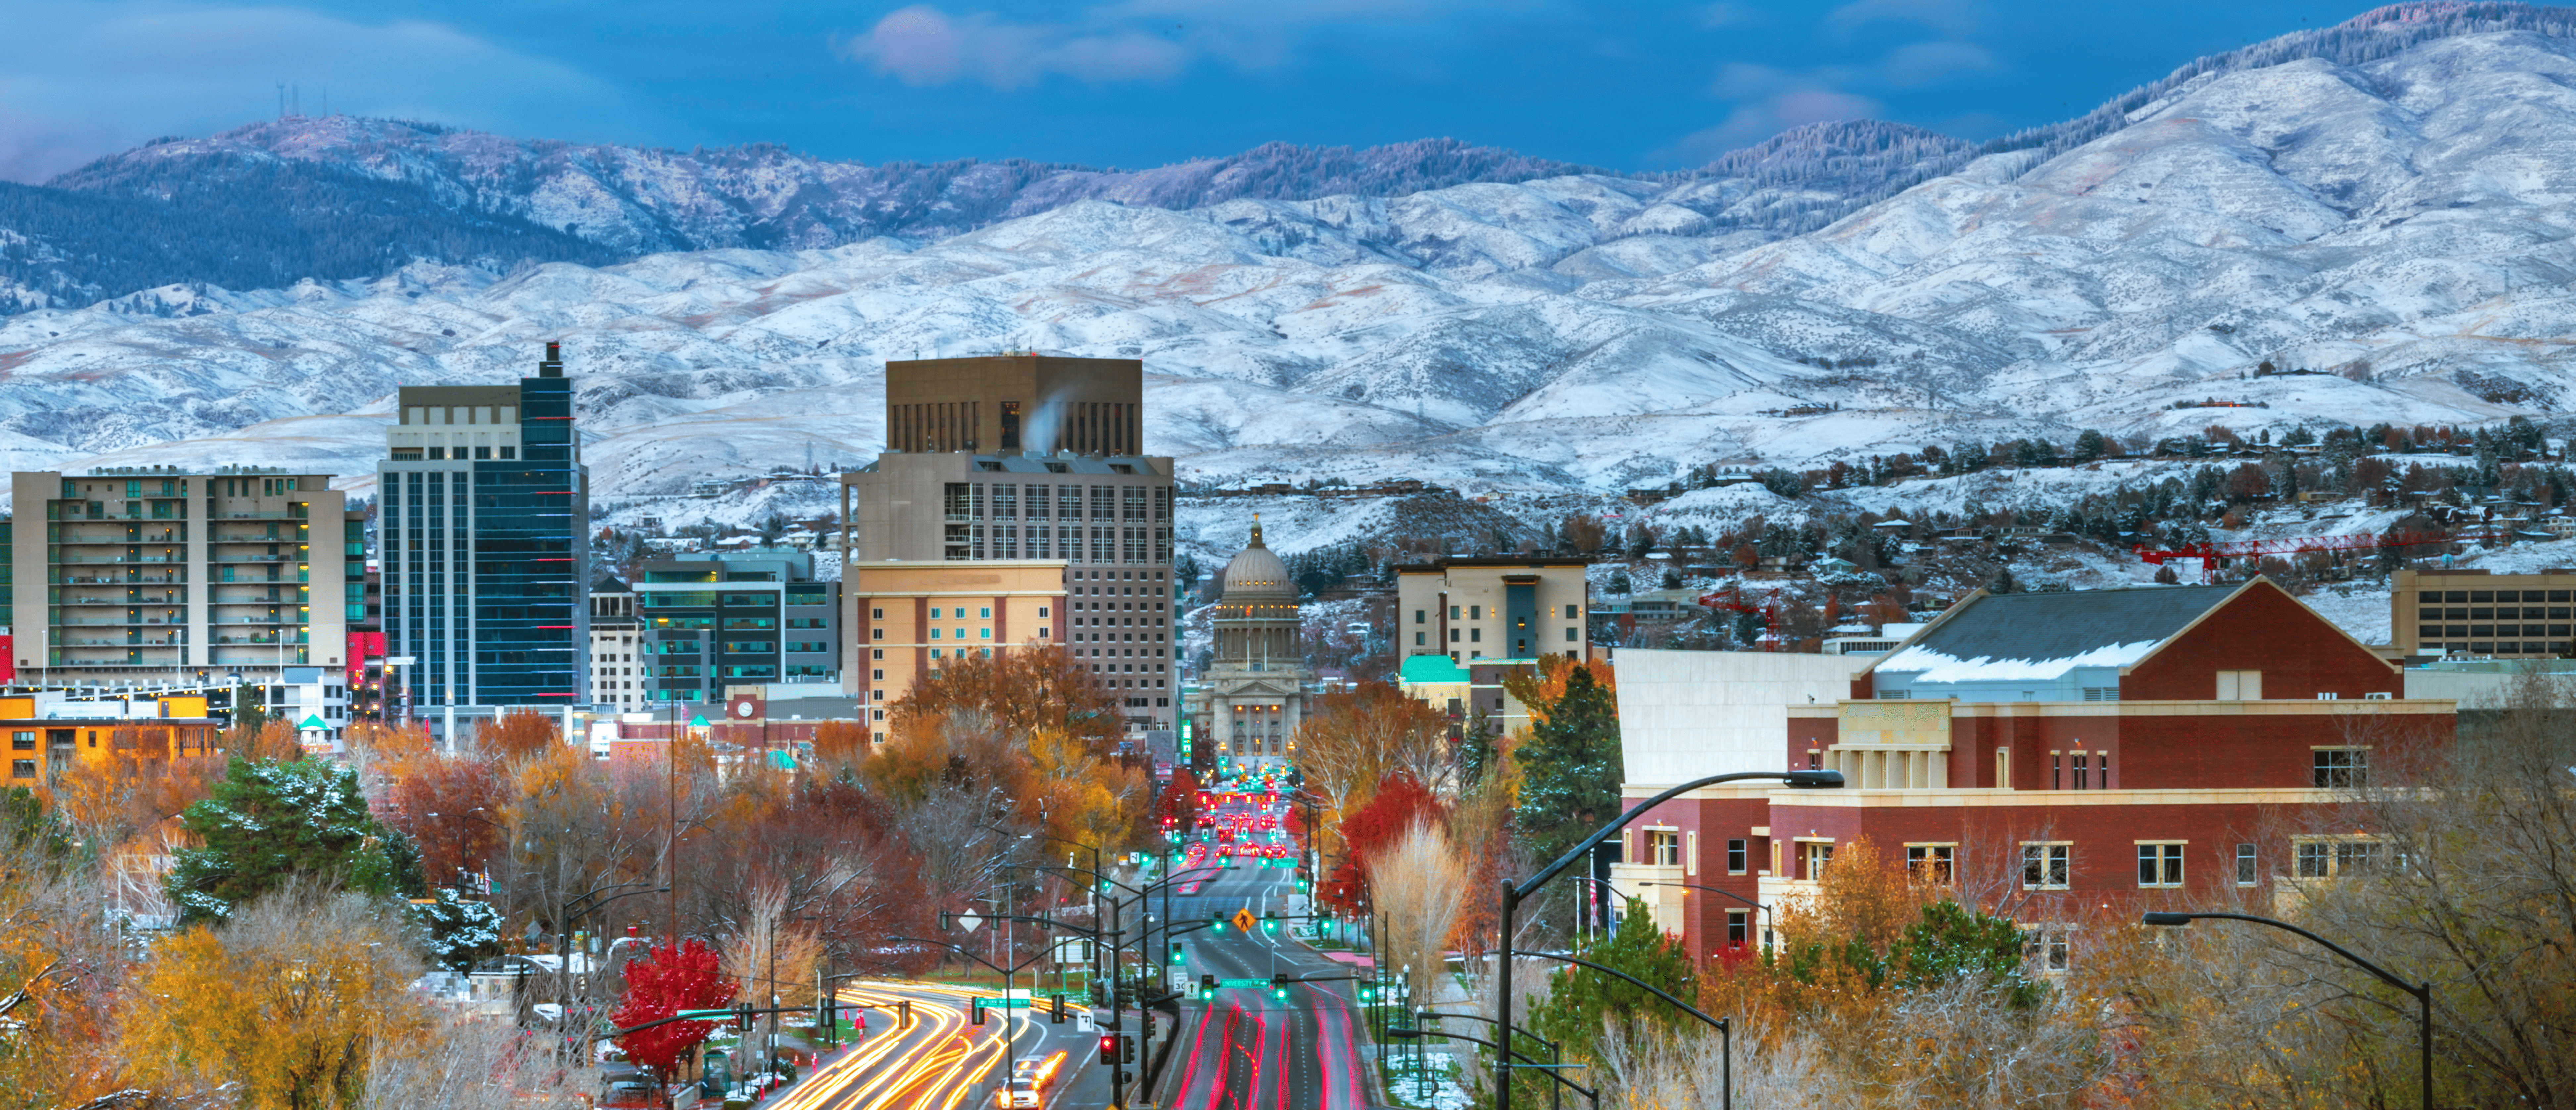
{"x":1367,"y":994}
{"x":1217,"y":922}
{"x":1279,"y":987}
{"x":1270,"y":921}
{"x":742,"y":1018}
{"x":1126,"y":1050}
{"x":1109,"y":1048}
{"x":1207,"y":986}
{"x":975,"y":1011}
{"x":1056,"y":1016}
{"x":1176,"y":951}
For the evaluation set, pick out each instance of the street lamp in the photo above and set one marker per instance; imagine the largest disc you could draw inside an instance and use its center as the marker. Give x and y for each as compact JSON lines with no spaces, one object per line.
{"x":2423,"y":992}
{"x":1514,"y":892}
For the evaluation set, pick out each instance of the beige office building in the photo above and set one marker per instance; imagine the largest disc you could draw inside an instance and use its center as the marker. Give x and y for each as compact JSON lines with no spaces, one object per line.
{"x":912,"y":618}
{"x":159,"y":576}
{"x":1028,"y":459}
{"x":2472,"y":612}
{"x":1493,"y":608}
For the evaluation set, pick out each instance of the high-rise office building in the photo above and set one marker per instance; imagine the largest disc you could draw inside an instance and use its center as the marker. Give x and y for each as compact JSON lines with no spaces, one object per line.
{"x":483,"y":526}
{"x":615,"y":672}
{"x":159,"y":576}
{"x":1011,"y":458}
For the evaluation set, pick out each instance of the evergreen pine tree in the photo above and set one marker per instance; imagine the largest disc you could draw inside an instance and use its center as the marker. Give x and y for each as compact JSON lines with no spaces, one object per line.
{"x":1571,"y":768}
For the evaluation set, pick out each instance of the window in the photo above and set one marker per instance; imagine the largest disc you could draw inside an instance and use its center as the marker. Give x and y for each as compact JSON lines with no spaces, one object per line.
{"x":1043,"y":611}
{"x":1664,"y":847}
{"x":934,"y":613}
{"x":1569,"y":634}
{"x":1569,"y":612}
{"x":1735,"y":857}
{"x":2046,"y":866}
{"x":876,"y":614}
{"x":2340,"y":768}
{"x":1816,"y":856}
{"x":2245,"y":865}
{"x":22,"y":768}
{"x":1453,"y":612}
{"x":1453,"y":635}
{"x":1738,"y":929}
{"x":1476,"y":634}
{"x":1931,"y":862}
{"x":1420,"y":638}
{"x":1417,"y":616}
{"x":2326,"y":859}
{"x":1475,"y":612}
{"x":2160,"y":864}
{"x":2240,"y":685}
{"x":2045,"y":945}
{"x":24,"y":741}
{"x":2003,"y":768}
{"x":987,"y":612}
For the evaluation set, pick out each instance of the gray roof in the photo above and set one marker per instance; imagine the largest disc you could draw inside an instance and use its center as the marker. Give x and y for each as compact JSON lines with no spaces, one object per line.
{"x":2073,"y":628}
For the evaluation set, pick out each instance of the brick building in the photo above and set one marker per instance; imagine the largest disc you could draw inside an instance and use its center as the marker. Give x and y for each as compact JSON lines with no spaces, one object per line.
{"x":2047,"y":751}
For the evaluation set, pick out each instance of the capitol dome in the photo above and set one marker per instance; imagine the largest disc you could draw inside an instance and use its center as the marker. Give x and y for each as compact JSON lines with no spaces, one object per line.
{"x":1256,"y":574}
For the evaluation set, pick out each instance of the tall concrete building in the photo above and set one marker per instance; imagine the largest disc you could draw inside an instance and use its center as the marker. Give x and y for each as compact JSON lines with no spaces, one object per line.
{"x":1023,"y":457}
{"x":157,"y":576}
{"x":484,"y":523}
{"x":1253,"y":697}
{"x":616,"y":676}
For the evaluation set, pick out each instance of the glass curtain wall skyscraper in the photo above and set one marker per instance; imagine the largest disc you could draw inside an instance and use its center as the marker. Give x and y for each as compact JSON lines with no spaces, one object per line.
{"x":484,"y":525}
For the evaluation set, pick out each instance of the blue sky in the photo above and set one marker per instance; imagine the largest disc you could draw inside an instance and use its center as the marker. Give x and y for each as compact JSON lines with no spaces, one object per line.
{"x":1125,"y":83}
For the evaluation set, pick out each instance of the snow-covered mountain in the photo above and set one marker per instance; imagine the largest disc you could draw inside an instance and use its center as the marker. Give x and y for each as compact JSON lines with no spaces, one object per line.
{"x":2387,"y":202}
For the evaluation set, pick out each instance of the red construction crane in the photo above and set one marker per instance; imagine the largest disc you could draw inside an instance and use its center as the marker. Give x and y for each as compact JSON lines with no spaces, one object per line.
{"x":2210,"y":553}
{"x":1732,"y":599}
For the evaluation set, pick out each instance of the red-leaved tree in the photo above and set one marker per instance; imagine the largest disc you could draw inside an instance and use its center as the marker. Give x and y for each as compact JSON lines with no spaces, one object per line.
{"x":1180,"y":803}
{"x":659,"y":985}
{"x":1375,"y":826}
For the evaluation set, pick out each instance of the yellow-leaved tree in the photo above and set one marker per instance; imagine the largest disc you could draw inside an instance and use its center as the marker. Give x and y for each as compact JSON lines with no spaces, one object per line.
{"x":289,"y":1000}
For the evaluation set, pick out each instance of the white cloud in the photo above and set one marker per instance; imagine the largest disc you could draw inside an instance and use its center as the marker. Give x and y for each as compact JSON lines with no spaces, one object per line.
{"x":1919,"y":64}
{"x":1753,"y":122}
{"x":921,"y":45}
{"x":83,"y":79}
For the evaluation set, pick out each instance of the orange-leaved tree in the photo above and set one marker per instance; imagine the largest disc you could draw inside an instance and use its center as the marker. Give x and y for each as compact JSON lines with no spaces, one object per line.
{"x":518,"y":733}
{"x":1542,"y":688}
{"x":1022,"y":690}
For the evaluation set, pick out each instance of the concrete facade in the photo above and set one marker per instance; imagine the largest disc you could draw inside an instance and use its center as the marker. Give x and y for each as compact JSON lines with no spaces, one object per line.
{"x":1688,"y":714}
{"x":2472,"y":612}
{"x":1016,"y":402}
{"x":1498,"y":608}
{"x":155,"y":576}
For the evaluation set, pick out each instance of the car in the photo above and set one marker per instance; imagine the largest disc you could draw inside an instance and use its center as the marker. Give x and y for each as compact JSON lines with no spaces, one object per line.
{"x":1029,"y":1086}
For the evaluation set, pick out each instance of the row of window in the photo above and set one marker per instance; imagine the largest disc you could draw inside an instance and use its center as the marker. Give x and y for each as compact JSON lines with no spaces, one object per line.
{"x":2481,"y":597}
{"x":2489,"y":631}
{"x":1477,"y":613}
{"x":2552,"y":613}
{"x":2049,"y":865}
{"x":1475,"y":636}
{"x":971,"y":500}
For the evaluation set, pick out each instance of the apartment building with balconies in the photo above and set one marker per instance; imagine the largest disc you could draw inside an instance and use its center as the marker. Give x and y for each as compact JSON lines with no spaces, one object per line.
{"x":157,"y":577}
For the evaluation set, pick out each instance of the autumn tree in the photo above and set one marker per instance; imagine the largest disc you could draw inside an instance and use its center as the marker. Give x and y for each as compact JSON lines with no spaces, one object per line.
{"x":660,"y":985}
{"x":518,"y":734}
{"x":452,"y":806}
{"x":1582,"y":1002}
{"x":286,"y":1001}
{"x":1352,"y":740}
{"x":1023,"y":691}
{"x":840,"y":744}
{"x":1372,"y":829}
{"x":1540,"y":687}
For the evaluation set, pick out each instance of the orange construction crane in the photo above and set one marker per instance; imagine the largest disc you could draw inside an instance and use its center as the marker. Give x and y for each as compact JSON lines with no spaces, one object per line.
{"x":2214,"y":553}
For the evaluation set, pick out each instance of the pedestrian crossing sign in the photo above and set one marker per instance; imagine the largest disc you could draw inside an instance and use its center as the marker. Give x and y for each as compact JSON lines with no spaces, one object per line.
{"x":1244,"y":920}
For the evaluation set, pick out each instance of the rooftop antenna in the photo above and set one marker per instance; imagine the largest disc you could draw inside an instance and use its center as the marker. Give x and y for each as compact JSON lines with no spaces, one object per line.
{"x":281,"y":100}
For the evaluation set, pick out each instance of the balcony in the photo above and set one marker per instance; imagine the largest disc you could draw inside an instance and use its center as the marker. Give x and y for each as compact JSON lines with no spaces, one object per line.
{"x":271,"y":638}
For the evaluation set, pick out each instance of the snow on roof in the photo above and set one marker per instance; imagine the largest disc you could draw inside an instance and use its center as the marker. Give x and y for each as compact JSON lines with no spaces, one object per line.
{"x":2026,"y":637}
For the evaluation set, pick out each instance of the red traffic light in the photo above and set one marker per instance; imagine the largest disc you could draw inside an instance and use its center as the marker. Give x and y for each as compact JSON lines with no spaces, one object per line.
{"x":1109,"y":1048}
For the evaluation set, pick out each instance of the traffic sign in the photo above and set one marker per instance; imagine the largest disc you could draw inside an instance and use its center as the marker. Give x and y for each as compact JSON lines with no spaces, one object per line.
{"x":1243,"y":982}
{"x":1244,"y":920}
{"x":968,"y":921}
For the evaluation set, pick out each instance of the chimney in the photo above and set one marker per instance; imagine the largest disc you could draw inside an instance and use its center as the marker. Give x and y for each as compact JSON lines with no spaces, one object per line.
{"x":552,"y":367}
